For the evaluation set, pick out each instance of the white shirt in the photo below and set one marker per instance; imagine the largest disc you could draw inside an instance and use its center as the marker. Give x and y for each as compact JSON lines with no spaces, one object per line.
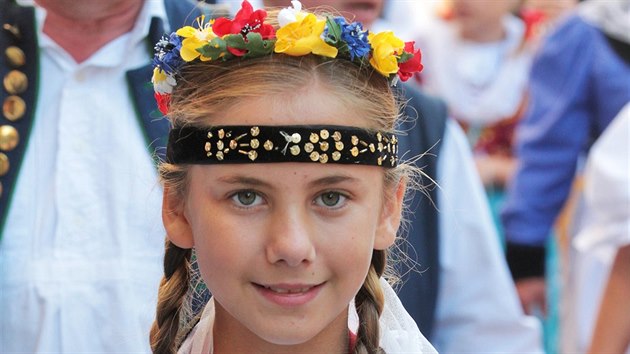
{"x":399,"y":333}
{"x":478,"y":310}
{"x":605,"y":228}
{"x":607,"y":188}
{"x":81,"y":255}
{"x":482,"y":83}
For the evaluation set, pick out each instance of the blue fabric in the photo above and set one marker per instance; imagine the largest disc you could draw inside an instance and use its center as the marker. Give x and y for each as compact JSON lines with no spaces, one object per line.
{"x":420,"y":286}
{"x":578,"y":85}
{"x":155,"y":126}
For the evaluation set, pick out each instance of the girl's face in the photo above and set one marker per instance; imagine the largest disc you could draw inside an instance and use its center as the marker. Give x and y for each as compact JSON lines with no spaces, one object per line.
{"x":475,"y":16}
{"x":284,"y":247}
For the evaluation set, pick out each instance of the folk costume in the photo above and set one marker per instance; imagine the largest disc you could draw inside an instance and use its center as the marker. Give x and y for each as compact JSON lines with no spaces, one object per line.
{"x":399,"y":333}
{"x":578,"y":85}
{"x":452,"y":245}
{"x":81,"y":245}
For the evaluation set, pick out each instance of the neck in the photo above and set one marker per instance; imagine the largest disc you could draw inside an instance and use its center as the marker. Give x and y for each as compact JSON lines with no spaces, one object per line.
{"x":82,"y":27}
{"x":485,"y":33}
{"x":332,"y":339}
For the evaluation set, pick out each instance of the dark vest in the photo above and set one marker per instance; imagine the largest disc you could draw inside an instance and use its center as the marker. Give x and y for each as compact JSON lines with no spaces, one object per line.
{"x":18,"y":35}
{"x":419,"y":289}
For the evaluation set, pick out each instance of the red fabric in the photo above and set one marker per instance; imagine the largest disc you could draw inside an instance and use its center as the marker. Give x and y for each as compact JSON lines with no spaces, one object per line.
{"x":352,"y":342}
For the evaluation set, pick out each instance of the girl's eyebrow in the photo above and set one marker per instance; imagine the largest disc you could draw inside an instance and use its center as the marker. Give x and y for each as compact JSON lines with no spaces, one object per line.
{"x":253,"y":181}
{"x":333,"y":180}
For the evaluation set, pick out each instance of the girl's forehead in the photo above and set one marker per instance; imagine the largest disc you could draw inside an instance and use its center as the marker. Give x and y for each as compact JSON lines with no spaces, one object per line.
{"x":311,"y":106}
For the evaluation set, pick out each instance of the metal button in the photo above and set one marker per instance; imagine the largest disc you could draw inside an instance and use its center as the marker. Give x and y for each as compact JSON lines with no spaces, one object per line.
{"x":9,"y":138}
{"x":13,"y":108}
{"x":15,"y":82}
{"x":13,"y":30}
{"x":15,"y":56}
{"x":4,"y":164}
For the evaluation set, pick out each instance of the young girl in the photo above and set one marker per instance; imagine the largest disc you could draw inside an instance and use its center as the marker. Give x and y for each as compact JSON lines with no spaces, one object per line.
{"x":282,"y":174}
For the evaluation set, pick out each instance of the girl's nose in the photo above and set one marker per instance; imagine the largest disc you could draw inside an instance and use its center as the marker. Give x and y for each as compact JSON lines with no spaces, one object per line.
{"x":290,"y":238}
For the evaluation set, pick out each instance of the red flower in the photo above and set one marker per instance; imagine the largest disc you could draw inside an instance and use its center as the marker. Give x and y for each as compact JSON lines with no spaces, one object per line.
{"x":246,"y":20}
{"x":412,"y":65}
{"x":163,"y":101}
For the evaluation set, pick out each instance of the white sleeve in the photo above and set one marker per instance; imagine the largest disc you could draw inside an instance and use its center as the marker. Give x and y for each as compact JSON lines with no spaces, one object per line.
{"x":607,"y":191}
{"x":477,"y":309}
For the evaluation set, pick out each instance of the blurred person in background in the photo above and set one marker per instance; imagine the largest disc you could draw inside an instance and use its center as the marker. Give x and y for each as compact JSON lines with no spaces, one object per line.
{"x":541,"y":16}
{"x":578,"y":84}
{"x":478,"y":62}
{"x":606,"y":231}
{"x":81,"y":240}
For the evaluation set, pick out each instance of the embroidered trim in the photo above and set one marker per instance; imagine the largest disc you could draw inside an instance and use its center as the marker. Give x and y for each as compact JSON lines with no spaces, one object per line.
{"x":293,"y":143}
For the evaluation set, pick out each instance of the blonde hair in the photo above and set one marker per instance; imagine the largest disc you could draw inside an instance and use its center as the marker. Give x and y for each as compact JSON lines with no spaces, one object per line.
{"x":204,"y":91}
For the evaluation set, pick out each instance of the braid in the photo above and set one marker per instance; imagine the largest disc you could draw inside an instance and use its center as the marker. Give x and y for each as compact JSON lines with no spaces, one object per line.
{"x":369,"y":302}
{"x":173,"y":288}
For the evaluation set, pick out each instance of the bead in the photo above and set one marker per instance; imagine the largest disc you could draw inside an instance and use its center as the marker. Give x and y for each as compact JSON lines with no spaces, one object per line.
{"x":13,"y":108}
{"x":9,"y":138}
{"x":15,"y":82}
{"x":15,"y":56}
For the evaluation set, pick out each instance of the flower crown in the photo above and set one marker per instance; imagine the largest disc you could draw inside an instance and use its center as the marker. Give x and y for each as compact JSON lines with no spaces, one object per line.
{"x":300,"y":33}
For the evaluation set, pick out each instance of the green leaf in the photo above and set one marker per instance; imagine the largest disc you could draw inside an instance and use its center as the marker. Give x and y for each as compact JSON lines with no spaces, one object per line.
{"x":235,"y":41}
{"x":256,"y":46}
{"x":334,"y":32}
{"x":216,"y":49}
{"x":404,"y":57}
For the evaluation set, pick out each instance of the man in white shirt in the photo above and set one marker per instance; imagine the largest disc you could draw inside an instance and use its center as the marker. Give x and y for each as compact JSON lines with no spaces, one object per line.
{"x":82,"y":240}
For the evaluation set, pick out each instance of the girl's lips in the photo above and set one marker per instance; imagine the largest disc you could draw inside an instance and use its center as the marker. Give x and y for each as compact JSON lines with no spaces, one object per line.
{"x":289,"y":294}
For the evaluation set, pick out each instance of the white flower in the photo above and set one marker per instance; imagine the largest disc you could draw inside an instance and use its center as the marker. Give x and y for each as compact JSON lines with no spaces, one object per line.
{"x":162,"y":82}
{"x":290,"y":14}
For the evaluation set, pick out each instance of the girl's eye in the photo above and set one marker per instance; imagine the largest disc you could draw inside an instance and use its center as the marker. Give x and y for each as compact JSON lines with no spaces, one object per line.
{"x":246,"y":198}
{"x":331,"y":199}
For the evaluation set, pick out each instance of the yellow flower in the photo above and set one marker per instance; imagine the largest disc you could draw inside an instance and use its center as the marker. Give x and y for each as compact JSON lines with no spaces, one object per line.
{"x":303,"y":37}
{"x":385,"y":46}
{"x":195,"y":38}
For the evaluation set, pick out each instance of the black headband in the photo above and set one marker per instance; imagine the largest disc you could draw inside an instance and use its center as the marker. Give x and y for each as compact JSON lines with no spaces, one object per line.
{"x":292,"y":143}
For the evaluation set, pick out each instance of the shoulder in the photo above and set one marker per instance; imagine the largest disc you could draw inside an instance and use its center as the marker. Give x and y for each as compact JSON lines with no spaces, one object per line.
{"x":573,"y":34}
{"x":424,"y":117}
{"x":428,"y":109}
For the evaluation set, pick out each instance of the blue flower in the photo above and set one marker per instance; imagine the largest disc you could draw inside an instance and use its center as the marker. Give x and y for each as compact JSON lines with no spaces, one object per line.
{"x":355,"y":37}
{"x":167,"y":56}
